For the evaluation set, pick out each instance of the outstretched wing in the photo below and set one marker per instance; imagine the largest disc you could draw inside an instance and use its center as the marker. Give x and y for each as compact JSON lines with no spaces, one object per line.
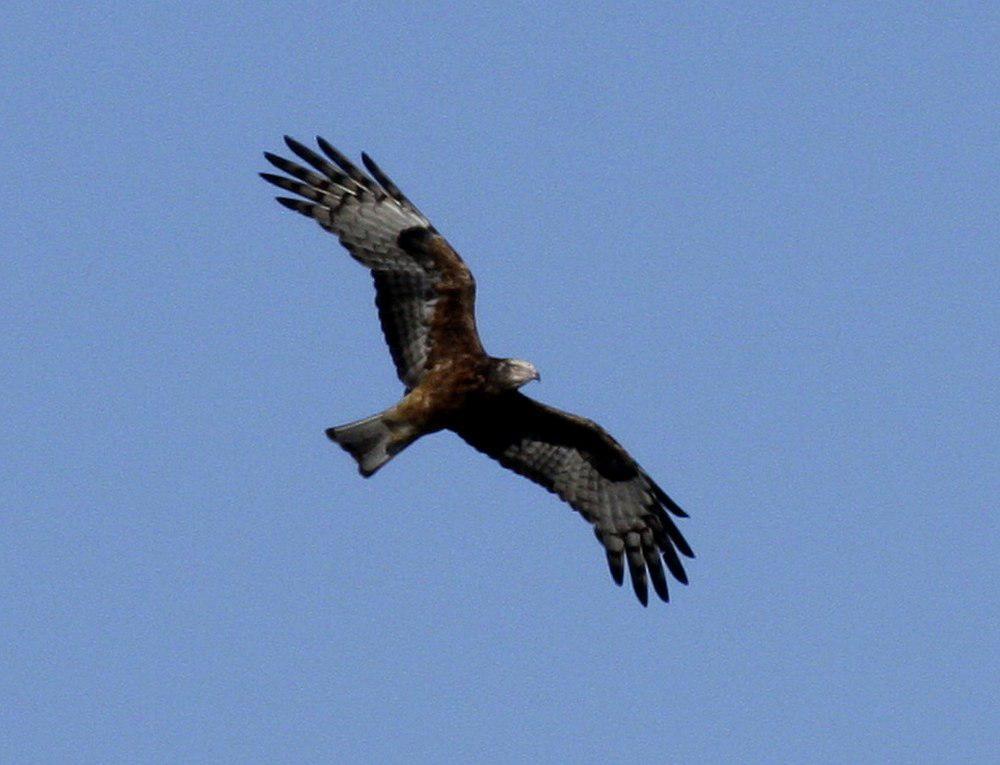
{"x":425,"y":294}
{"x":586,"y":467}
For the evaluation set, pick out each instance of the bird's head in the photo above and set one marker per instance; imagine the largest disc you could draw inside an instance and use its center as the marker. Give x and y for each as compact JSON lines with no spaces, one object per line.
{"x":510,"y":374}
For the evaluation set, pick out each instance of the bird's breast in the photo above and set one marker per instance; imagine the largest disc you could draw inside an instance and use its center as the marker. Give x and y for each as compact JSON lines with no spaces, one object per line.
{"x":442,"y":393}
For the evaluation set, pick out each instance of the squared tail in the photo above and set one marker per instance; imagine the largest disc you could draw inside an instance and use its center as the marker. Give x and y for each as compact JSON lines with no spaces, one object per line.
{"x":369,"y":441}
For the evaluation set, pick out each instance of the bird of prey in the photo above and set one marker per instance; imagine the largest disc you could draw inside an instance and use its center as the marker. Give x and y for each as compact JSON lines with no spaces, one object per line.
{"x":425,"y":295}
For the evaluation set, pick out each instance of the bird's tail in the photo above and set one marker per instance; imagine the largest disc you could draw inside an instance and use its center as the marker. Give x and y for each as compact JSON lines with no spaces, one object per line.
{"x":370,"y":441}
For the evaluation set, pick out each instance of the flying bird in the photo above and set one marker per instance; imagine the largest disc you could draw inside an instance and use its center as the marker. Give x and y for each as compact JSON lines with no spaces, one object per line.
{"x":425,"y":295}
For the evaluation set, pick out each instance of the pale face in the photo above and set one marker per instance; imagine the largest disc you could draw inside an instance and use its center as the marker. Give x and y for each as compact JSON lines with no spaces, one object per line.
{"x":517,"y":372}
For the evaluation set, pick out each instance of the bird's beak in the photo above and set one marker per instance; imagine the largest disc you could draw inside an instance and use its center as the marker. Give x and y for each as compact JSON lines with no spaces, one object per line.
{"x":538,"y":377}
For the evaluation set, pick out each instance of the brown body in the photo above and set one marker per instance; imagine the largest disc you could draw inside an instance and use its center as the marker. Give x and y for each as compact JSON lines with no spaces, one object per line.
{"x":435,"y":402}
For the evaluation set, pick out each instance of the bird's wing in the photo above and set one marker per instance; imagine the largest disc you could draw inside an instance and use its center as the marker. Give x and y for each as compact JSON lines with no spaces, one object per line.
{"x":424,"y":292}
{"x":575,"y":458}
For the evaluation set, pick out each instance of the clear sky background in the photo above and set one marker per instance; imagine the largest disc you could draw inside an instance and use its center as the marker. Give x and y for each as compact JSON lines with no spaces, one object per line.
{"x":758,"y":244}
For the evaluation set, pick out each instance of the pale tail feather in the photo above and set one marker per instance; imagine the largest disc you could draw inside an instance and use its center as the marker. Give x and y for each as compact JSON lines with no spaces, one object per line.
{"x":369,"y":441}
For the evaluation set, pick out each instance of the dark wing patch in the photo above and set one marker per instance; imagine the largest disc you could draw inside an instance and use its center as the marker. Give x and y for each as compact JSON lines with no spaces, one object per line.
{"x":369,"y":216}
{"x":586,"y":467}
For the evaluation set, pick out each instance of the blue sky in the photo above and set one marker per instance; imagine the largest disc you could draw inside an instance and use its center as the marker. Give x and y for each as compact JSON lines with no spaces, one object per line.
{"x":757,"y":243}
